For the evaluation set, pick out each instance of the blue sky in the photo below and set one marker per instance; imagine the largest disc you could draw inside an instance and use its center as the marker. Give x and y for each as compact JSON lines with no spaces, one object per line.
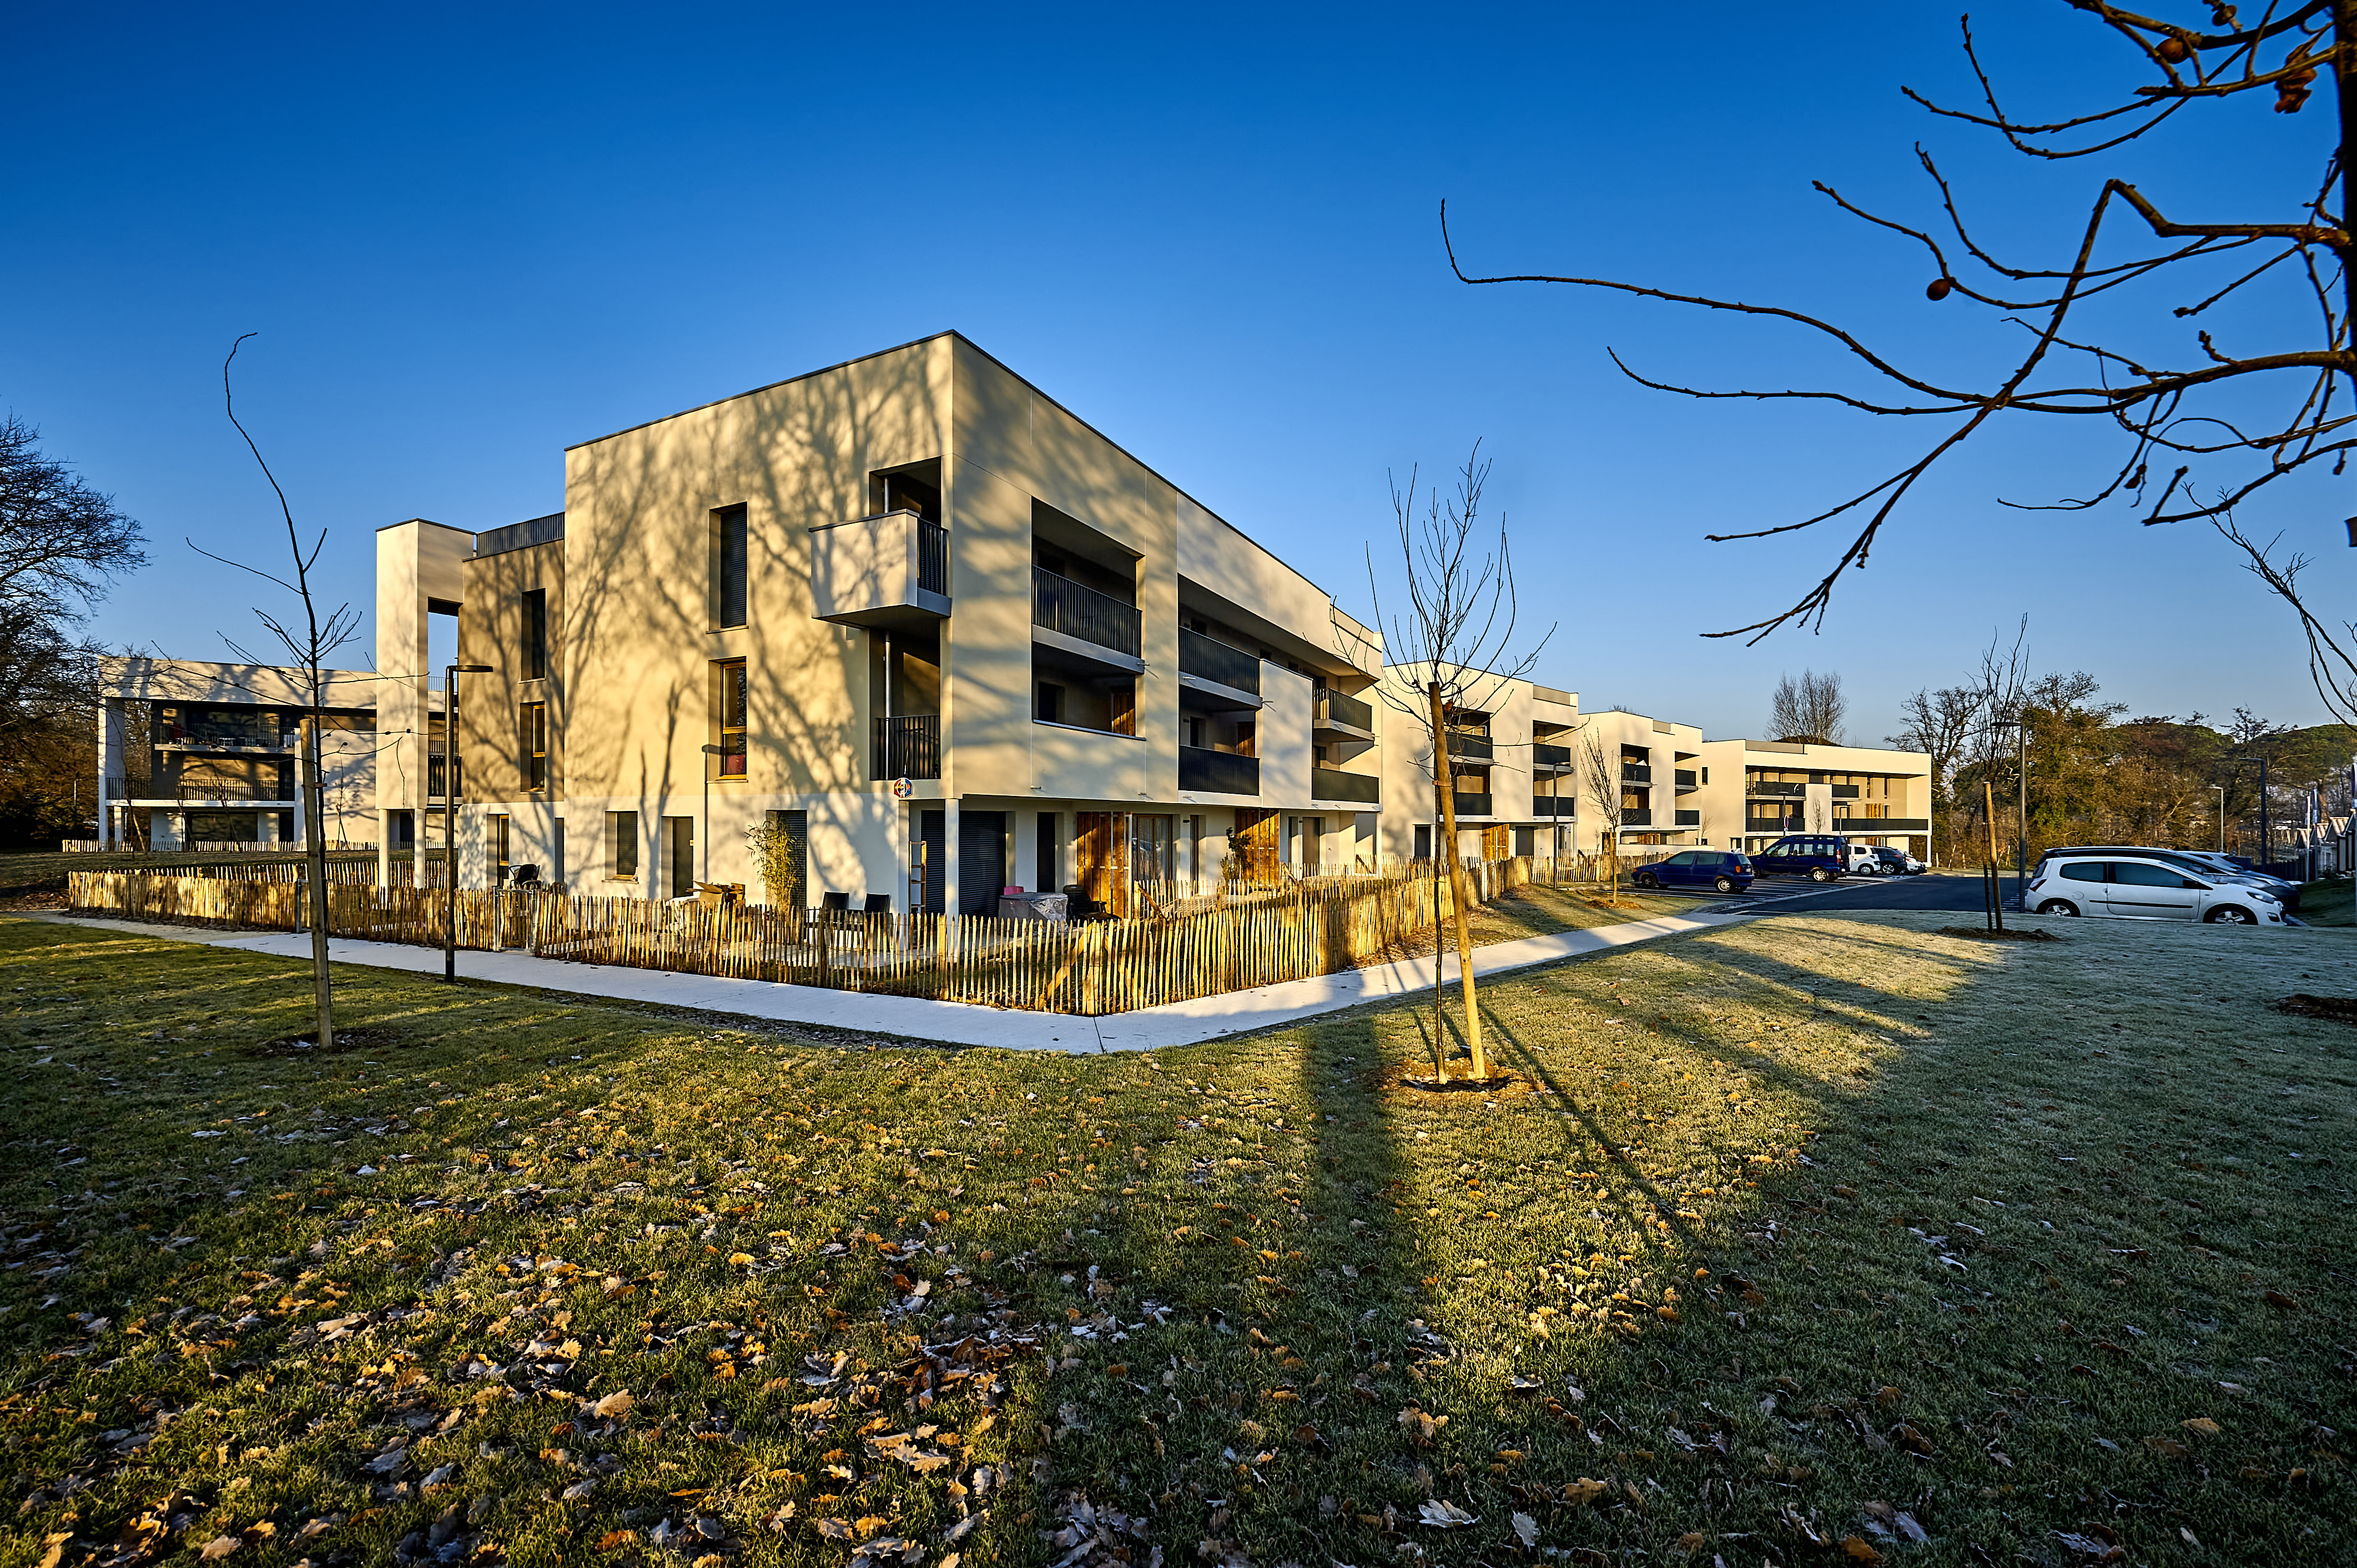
{"x":468,"y":237}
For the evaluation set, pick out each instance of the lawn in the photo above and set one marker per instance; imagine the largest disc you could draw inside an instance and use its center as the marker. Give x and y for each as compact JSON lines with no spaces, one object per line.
{"x":1796,"y":1239}
{"x":1536,"y":910}
{"x":2326,"y":902}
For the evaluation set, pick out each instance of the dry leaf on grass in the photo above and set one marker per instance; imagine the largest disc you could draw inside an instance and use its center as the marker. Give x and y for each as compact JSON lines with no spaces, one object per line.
{"x":1526,"y":1529}
{"x":1444,"y":1514}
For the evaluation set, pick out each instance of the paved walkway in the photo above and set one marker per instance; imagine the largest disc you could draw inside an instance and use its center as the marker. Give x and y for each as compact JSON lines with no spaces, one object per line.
{"x":952,"y":1023}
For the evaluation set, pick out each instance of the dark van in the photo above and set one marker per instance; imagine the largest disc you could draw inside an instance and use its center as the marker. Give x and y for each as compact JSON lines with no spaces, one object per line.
{"x":1820,"y":857}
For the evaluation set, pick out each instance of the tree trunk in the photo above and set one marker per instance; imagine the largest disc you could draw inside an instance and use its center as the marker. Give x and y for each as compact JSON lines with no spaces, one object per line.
{"x":314,"y":855}
{"x":1444,"y":775}
{"x":1996,"y":895}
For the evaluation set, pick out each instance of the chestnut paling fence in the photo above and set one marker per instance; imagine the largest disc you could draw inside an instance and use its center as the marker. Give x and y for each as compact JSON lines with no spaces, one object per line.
{"x":1091,"y":967}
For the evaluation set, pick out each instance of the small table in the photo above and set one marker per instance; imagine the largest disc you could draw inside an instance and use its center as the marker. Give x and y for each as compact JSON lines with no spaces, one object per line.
{"x":1032,"y":906}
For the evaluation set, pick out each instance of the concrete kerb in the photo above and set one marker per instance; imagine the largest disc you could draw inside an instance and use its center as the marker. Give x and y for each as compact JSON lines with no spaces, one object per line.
{"x":947,"y":1022}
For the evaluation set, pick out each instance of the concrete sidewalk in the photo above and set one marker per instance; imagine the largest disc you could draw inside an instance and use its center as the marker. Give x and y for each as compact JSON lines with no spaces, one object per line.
{"x":950,"y":1023}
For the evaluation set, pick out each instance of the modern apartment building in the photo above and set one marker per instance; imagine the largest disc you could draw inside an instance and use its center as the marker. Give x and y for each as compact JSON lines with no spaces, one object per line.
{"x":1535,"y":776}
{"x":193,"y":753}
{"x":913,"y":615}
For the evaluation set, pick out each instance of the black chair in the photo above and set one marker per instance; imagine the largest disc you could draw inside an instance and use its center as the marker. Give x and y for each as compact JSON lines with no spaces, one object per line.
{"x":526,"y":875}
{"x":879,"y":904}
{"x":835,"y":903}
{"x":1078,"y":905}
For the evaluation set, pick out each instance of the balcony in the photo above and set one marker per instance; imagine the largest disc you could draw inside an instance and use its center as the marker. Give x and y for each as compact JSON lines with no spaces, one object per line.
{"x":1882,"y":824}
{"x":1471,"y":748}
{"x":1845,"y":791}
{"x":1768,"y":789}
{"x":1334,"y":713}
{"x":1558,"y":806}
{"x":1226,"y":677}
{"x":1333,"y":784}
{"x":1473,"y":805}
{"x":907,"y":747}
{"x":886,"y":572}
{"x":1683,"y":779}
{"x":1689,"y":819}
{"x":1635,"y":817}
{"x":1205,"y":771}
{"x":1550,"y":758}
{"x":1080,"y":620}
{"x":1637,"y":772}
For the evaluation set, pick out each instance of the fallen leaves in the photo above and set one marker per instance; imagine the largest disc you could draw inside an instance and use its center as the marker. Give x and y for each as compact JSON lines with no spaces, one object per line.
{"x":1442,"y":1514}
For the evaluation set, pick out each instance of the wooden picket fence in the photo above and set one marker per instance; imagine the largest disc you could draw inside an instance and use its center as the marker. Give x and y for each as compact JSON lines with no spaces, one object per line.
{"x":1091,"y":967}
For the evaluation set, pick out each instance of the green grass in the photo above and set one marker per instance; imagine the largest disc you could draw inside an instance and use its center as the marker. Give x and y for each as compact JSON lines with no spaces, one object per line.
{"x":1536,"y":910}
{"x":1825,"y":1219}
{"x":2328,"y":902}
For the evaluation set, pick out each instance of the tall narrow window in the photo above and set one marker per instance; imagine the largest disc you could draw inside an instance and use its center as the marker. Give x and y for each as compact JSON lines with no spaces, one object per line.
{"x":1122,"y":702}
{"x":533,"y":721}
{"x":729,"y":566}
{"x":535,"y":634}
{"x":729,"y":700}
{"x":495,"y":848}
{"x":621,"y":843}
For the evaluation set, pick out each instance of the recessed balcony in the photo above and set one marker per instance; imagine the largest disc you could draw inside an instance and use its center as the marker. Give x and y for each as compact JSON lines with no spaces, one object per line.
{"x":1334,"y":784}
{"x":1078,"y":620}
{"x":1549,"y":758}
{"x":1202,"y":770}
{"x":1214,"y":676}
{"x":882,"y":572}
{"x":1469,"y":747}
{"x":1334,"y":715}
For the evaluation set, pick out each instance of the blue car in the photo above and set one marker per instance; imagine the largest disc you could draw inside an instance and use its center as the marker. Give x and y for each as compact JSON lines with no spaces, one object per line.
{"x":1820,"y":857}
{"x":1724,"y":870}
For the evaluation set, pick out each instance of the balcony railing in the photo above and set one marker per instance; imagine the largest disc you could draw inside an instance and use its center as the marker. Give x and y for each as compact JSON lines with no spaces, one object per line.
{"x":1882,"y":824}
{"x":908,"y":747}
{"x":1333,"y":784}
{"x":1689,"y":819}
{"x":1218,"y":772}
{"x":1683,"y":778}
{"x":1637,"y":772}
{"x":1474,"y":746}
{"x":1632,"y":817}
{"x":933,"y":560}
{"x":1770,"y":788}
{"x":1845,"y":791}
{"x":1334,"y":708}
{"x":1473,"y":805}
{"x":1546,"y":755}
{"x":1554,"y":805}
{"x":1061,"y":604}
{"x":1215,"y":660}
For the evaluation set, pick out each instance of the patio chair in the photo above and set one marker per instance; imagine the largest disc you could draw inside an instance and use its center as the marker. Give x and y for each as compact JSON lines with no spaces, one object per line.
{"x":835,"y":903}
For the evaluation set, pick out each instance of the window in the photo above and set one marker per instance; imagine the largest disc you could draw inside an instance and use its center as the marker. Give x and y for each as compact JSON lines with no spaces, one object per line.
{"x":729,"y":566}
{"x":495,"y":848}
{"x":535,"y":635}
{"x":1123,"y":705}
{"x":532,"y":722}
{"x":1049,"y":708}
{"x":2083,"y":871}
{"x":621,"y":844}
{"x":2144,"y":874}
{"x":728,"y":690}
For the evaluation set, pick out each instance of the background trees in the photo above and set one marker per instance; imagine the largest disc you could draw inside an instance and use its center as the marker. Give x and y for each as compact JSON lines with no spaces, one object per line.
{"x":61,"y":544}
{"x":1809,"y":709}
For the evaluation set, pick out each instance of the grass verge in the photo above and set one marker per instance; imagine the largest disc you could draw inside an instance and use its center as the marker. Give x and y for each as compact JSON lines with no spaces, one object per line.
{"x":1792,"y":1234}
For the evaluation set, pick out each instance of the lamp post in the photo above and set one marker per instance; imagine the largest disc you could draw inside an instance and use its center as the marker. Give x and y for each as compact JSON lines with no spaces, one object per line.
{"x":2220,"y":791}
{"x":450,"y":813}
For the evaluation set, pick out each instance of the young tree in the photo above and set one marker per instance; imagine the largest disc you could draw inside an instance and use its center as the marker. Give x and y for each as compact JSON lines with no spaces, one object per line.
{"x":1457,"y":637}
{"x":309,"y":643}
{"x":2169,"y":417}
{"x":1809,"y":709}
{"x":1600,"y":780}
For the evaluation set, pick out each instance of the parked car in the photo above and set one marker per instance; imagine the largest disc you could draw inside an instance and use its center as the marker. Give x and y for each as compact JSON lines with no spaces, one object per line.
{"x":1898,"y":862}
{"x":1728,"y":870}
{"x":2197,"y":862}
{"x":2146,"y":888}
{"x":1820,"y":857}
{"x":1864,"y":862}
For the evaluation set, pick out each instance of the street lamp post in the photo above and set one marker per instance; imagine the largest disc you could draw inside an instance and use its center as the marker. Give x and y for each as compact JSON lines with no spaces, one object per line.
{"x":2021,"y":822}
{"x":450,"y":813}
{"x":2220,"y":791}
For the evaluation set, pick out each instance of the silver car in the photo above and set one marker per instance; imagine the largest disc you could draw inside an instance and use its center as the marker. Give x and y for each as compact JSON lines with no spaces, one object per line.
{"x":2127,"y":888}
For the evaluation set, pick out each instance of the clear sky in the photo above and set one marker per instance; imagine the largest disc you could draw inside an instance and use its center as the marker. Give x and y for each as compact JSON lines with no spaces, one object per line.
{"x":468,"y":236}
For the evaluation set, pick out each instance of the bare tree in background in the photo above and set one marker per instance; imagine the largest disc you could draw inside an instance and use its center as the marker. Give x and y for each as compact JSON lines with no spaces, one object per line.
{"x":1809,"y":709}
{"x":1457,"y":641}
{"x":1600,"y":780}
{"x":1938,"y":723}
{"x":2248,"y":414}
{"x":309,"y":641}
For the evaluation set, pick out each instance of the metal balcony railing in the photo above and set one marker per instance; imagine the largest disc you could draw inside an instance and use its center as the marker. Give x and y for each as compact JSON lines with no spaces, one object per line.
{"x":1215,"y":660}
{"x":1546,"y":755}
{"x":1631,"y":817}
{"x":1845,"y":791}
{"x":1474,"y":746}
{"x":1637,"y":772}
{"x":1061,"y":604}
{"x":1218,"y":772}
{"x":1771,"y":788}
{"x":1689,"y":819}
{"x":1333,"y":784}
{"x":932,"y":561}
{"x":1473,"y":805}
{"x":1683,"y":778}
{"x":1334,"y":707}
{"x":1554,"y":805}
{"x":907,"y":747}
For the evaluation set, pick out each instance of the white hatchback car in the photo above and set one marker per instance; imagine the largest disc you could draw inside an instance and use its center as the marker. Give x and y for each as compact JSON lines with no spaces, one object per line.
{"x":2146,"y":890}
